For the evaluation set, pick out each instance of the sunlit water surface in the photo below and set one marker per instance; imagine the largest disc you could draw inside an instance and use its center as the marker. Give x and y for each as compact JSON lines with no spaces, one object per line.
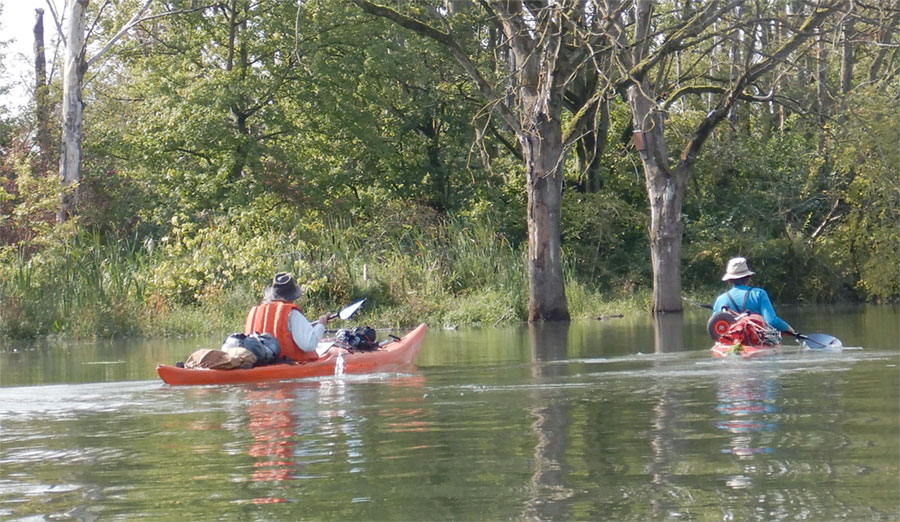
{"x":603,"y":420}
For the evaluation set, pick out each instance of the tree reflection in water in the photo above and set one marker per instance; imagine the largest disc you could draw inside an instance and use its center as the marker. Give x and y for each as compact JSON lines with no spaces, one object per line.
{"x":550,"y":498}
{"x":668,"y":337}
{"x":668,"y":333}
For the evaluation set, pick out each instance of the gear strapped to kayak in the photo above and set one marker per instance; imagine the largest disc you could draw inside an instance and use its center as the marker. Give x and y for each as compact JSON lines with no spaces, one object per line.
{"x":740,"y":331}
{"x":358,"y":338}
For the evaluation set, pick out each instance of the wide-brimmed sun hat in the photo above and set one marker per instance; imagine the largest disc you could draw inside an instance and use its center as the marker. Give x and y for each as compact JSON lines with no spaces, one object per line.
{"x":283,"y":288}
{"x":737,"y":269}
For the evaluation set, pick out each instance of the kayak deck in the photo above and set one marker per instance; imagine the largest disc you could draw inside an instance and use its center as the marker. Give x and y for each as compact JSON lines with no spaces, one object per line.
{"x":392,"y":356}
{"x":721,"y":349}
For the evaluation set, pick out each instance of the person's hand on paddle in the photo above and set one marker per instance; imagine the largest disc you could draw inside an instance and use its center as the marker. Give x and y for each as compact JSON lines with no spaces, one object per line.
{"x":323,"y":320}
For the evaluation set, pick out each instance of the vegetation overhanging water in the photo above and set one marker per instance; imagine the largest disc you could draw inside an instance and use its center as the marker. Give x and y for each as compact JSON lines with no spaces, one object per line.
{"x":325,"y":148}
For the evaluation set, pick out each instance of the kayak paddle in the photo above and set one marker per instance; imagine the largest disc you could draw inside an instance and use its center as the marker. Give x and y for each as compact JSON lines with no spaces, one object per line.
{"x":344,"y":314}
{"x":348,"y":311}
{"x":819,"y":341}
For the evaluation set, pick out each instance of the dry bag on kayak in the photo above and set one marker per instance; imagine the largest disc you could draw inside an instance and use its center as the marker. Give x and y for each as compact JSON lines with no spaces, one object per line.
{"x":224,"y":359}
{"x":264,"y":346}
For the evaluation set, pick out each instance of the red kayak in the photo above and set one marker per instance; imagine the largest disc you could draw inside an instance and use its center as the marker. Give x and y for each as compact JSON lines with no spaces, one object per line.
{"x":743,"y":335}
{"x":721,"y":349}
{"x":392,"y":356}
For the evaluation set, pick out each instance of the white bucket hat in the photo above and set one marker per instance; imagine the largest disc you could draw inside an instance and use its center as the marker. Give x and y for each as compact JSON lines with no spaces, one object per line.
{"x":737,"y":269}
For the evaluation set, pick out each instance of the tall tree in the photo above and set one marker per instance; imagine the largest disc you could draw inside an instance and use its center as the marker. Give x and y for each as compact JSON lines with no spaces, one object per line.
{"x":653,"y":41}
{"x":75,"y":64}
{"x":544,"y":50}
{"x":41,"y":96}
{"x":628,"y":44}
{"x":223,"y":107}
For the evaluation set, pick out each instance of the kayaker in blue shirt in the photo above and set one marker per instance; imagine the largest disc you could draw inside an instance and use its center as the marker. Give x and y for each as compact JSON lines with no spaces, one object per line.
{"x":742,"y":298}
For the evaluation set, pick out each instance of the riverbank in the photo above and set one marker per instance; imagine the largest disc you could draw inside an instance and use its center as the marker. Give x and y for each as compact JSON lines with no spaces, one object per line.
{"x":226,"y":312}
{"x":86,"y":285}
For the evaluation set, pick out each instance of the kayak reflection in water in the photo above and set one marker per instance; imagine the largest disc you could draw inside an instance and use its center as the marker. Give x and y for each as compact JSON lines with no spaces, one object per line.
{"x":272,"y":427}
{"x":745,"y":403}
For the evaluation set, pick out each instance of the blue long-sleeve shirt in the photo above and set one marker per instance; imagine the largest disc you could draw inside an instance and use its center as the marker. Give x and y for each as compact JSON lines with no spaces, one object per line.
{"x":757,"y":302}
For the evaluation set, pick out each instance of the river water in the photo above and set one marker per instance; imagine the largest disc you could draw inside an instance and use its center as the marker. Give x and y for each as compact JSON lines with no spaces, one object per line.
{"x":622,"y":419}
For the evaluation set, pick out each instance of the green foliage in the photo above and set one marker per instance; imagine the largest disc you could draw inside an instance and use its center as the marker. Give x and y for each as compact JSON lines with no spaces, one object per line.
{"x":585,"y":302}
{"x":603,"y":237}
{"x":27,"y":201}
{"x":80,"y":285}
{"x":198,"y":260}
{"x":408,"y":260}
{"x":203,"y":278}
{"x":224,"y":144}
{"x":866,"y":239}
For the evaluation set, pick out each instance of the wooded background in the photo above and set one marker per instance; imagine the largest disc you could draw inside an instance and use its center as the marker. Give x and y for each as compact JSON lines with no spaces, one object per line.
{"x":523,"y":156}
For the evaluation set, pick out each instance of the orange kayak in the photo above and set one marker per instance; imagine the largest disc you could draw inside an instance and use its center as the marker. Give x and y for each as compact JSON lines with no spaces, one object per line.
{"x":392,"y":356}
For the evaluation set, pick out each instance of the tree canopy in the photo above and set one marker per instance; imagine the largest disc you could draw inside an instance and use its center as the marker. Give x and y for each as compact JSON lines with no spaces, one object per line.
{"x":281,"y":129}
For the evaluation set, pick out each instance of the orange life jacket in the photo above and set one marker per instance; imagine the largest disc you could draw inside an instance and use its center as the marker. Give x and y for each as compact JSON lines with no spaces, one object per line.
{"x":272,"y":318}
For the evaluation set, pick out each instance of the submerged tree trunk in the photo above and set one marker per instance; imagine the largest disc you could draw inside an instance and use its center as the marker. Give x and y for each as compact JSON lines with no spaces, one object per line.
{"x":665,"y":187}
{"x":666,"y":184}
{"x":540,"y":86}
{"x":72,"y":107}
{"x":532,"y":109}
{"x":543,"y":159}
{"x":665,"y":192}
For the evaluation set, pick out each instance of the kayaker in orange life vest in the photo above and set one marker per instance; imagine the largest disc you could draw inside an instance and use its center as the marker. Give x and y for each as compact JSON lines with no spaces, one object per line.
{"x":742,"y":298}
{"x":279,"y":316}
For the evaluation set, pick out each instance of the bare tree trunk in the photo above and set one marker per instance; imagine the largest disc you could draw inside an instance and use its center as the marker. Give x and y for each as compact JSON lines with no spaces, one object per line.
{"x":847,"y":60}
{"x":75,"y":64}
{"x":666,"y":185}
{"x":543,"y":158}
{"x":884,"y":41}
{"x":590,"y":146}
{"x":41,"y":97}
{"x":734,"y":58}
{"x":539,"y":131}
{"x":665,"y":191}
{"x":72,"y":107}
{"x":665,"y":188}
{"x":847,"y":64}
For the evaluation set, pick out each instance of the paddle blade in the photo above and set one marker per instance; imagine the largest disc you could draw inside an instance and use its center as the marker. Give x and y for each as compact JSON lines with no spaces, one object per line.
{"x":821,"y":342}
{"x":350,"y":310}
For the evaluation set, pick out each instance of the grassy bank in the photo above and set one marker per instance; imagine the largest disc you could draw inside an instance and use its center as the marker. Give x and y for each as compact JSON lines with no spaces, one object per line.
{"x":203,"y":279}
